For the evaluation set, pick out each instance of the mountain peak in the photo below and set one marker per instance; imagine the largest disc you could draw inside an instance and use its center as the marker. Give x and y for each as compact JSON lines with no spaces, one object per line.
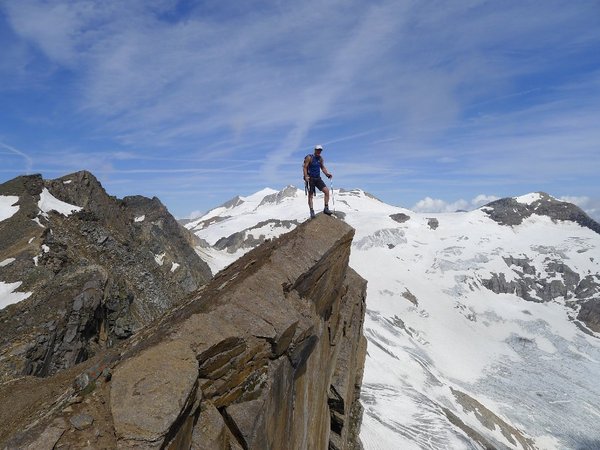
{"x":277,"y":197}
{"x":123,"y":263}
{"x":513,"y":210}
{"x":359,"y":193}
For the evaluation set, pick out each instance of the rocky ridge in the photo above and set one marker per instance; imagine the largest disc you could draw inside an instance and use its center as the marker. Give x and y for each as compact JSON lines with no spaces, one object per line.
{"x":95,"y":275}
{"x":268,"y":355}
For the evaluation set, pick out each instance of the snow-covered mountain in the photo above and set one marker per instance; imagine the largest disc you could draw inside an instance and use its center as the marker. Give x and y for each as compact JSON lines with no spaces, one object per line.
{"x":483,"y":326}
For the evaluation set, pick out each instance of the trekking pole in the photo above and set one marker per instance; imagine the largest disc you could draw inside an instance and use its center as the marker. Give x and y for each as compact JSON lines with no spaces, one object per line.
{"x":332,"y":194}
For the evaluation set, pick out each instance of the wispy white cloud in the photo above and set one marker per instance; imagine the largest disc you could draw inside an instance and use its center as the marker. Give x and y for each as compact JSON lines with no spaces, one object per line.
{"x":406,"y":94}
{"x":433,"y":205}
{"x":21,"y":154}
{"x":290,"y":67}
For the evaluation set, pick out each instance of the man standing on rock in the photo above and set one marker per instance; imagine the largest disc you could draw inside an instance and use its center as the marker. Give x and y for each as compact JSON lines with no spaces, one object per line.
{"x":313,"y":164}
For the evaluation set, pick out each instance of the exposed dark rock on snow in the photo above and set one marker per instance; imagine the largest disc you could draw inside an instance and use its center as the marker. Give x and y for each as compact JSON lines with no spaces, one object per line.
{"x":400,"y":217}
{"x":558,"y":281}
{"x":96,"y":275}
{"x":382,"y":238}
{"x":410,"y":297}
{"x":508,"y":211}
{"x":278,"y":197}
{"x":205,"y":223}
{"x":251,"y":237}
{"x":358,"y":193}
{"x":433,"y":223}
{"x":536,"y":288}
{"x":490,"y":421}
{"x":268,"y":355}
{"x":590,"y":314}
{"x":235,"y":201}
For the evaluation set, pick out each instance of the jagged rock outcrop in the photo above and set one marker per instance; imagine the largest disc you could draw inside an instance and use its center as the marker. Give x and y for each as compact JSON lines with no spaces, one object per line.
{"x":269,"y":355}
{"x":96,"y":273}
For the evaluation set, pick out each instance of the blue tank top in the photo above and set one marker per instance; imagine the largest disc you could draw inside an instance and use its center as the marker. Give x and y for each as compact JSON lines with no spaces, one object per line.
{"x":314,"y":167}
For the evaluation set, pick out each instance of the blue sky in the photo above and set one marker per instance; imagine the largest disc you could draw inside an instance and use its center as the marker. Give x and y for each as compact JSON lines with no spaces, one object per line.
{"x":430,"y":105}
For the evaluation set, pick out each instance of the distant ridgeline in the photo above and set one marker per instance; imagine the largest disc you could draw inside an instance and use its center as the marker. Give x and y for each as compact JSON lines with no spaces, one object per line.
{"x":133,"y":345}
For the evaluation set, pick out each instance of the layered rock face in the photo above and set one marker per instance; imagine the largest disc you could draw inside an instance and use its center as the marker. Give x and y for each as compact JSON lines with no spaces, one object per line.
{"x":268,"y":355}
{"x":95,"y":270}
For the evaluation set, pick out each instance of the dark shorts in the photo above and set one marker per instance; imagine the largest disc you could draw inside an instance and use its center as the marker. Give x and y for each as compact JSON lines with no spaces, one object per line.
{"x":316,"y":183}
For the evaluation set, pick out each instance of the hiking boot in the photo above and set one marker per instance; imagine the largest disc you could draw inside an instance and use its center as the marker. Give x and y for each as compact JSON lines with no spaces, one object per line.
{"x":312,"y":214}
{"x":327,"y":211}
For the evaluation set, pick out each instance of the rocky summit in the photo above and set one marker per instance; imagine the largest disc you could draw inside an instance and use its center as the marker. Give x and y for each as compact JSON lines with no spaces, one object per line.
{"x":513,"y":210}
{"x":268,"y":355}
{"x":81,"y":270}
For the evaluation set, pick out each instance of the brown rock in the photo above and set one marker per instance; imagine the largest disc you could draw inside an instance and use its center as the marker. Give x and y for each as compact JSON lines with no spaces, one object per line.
{"x":269,"y":355}
{"x":210,"y":431}
{"x":81,"y":421}
{"x":150,"y":391}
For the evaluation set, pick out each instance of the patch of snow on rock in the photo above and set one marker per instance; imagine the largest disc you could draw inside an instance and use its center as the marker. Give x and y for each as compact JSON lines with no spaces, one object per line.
{"x":528,"y":199}
{"x":159,"y":259}
{"x":7,"y":206}
{"x":6,"y":262}
{"x":139,"y":219}
{"x":49,"y":203}
{"x":8,"y":296}
{"x":174,"y":266}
